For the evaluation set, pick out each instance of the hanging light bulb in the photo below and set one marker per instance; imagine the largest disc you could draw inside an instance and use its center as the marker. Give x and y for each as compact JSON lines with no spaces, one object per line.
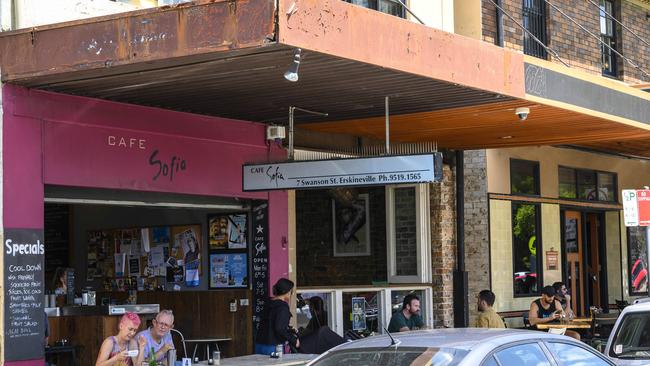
{"x":292,"y":73}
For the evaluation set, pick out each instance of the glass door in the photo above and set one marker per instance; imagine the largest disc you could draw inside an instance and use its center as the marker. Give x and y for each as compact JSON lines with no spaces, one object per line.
{"x":574,"y":259}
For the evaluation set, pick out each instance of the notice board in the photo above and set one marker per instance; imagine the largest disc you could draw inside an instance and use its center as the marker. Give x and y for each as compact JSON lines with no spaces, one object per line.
{"x":24,"y":317}
{"x":260,"y":254}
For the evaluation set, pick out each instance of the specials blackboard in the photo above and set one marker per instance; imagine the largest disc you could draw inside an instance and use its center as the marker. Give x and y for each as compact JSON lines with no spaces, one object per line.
{"x":260,"y":255}
{"x":24,"y":317}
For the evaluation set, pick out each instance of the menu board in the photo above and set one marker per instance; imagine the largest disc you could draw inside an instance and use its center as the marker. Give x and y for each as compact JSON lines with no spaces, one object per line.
{"x":24,"y":253}
{"x":260,"y":254}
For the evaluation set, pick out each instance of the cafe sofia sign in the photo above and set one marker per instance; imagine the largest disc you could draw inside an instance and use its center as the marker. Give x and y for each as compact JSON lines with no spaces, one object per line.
{"x":385,"y":170}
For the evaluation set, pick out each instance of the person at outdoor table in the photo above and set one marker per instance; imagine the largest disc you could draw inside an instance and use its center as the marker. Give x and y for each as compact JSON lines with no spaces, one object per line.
{"x":115,"y":349}
{"x":158,"y":336}
{"x":487,"y":317}
{"x":274,"y":320}
{"x":562,"y":295}
{"x":409,"y":317}
{"x":547,"y":309}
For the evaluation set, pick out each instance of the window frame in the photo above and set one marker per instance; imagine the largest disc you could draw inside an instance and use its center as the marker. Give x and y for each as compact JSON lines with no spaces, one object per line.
{"x":610,"y":40}
{"x":530,"y":46}
{"x":537,"y":177}
{"x":539,"y":249}
{"x":376,"y":8}
{"x":423,"y":230}
{"x":597,"y":180}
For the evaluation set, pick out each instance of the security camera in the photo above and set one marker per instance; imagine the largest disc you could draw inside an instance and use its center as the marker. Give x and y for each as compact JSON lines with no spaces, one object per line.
{"x":522,"y":113}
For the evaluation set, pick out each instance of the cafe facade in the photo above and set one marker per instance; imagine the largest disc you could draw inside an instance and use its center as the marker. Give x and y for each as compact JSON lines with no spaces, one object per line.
{"x":144,"y":207}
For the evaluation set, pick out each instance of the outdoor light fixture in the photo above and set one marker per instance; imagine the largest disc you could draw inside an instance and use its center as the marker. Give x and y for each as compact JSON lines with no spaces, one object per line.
{"x":292,"y":73}
{"x":522,"y":113}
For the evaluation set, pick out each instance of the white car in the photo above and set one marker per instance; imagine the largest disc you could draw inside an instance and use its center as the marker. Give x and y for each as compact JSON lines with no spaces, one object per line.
{"x":629,"y":342}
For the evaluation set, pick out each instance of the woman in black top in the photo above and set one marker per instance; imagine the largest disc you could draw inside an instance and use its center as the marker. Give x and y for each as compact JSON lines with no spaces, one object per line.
{"x":274,"y":322}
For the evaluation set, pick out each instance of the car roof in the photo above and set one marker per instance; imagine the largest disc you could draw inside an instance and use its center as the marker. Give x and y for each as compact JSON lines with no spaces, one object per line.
{"x":458,"y":338}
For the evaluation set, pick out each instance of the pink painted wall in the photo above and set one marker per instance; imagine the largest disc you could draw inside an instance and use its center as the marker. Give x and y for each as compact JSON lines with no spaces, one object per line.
{"x":51,"y":138}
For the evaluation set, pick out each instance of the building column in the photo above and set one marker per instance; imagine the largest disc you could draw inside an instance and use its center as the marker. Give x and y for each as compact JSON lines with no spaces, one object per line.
{"x":443,"y":247}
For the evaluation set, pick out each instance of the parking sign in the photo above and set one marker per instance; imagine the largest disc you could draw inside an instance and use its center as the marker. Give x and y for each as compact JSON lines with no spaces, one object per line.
{"x":630,"y":208}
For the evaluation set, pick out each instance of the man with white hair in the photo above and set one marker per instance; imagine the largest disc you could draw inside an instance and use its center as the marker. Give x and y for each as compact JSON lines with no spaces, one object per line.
{"x":158,"y":336}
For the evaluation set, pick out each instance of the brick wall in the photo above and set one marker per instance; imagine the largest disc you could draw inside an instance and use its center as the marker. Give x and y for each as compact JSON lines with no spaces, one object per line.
{"x":443,"y":246}
{"x":477,"y":241}
{"x":315,"y":261}
{"x":575,"y":46}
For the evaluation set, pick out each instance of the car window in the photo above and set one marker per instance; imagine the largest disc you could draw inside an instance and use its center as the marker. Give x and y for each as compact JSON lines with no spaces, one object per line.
{"x":490,"y":362}
{"x":572,"y":355}
{"x":529,"y":354}
{"x":393,"y":356}
{"x":632,"y":340}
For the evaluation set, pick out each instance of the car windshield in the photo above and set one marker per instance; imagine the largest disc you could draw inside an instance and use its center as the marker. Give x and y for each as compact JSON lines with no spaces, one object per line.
{"x":397,"y":356}
{"x":632,"y":340}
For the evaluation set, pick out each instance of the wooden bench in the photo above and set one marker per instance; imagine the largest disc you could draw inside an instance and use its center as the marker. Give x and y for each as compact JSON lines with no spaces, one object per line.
{"x":517,"y":314}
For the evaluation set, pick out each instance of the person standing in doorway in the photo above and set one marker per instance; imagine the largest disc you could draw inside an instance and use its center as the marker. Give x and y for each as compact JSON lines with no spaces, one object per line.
{"x":409,"y":317}
{"x":487,"y":317}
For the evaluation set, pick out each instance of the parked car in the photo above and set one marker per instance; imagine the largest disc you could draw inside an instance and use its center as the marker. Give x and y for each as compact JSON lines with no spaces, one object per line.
{"x":629,"y":342}
{"x":464,"y":347}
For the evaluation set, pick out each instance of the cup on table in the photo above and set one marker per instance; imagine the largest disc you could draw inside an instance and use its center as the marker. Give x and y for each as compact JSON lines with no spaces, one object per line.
{"x":216,"y":357}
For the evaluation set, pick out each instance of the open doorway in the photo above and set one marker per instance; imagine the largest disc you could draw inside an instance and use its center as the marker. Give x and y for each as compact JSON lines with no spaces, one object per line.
{"x":584,"y":259}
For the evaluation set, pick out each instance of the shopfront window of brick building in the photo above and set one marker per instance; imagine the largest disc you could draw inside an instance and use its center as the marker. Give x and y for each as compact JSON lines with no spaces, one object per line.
{"x":384,"y":6}
{"x":534,"y":18}
{"x":589,"y":185}
{"x":526,"y":249}
{"x":524,"y":177}
{"x":608,"y":36}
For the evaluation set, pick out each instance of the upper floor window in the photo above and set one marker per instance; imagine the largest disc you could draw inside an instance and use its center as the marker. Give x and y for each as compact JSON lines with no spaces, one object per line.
{"x":385,"y":6}
{"x":608,"y":36}
{"x":524,"y":177}
{"x":587,"y":185}
{"x":534,"y":16}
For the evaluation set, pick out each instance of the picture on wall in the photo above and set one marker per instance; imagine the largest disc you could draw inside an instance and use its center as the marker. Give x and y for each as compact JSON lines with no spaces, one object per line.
{"x":228,"y":231}
{"x":187,"y":242}
{"x":637,"y":260}
{"x":228,"y":270}
{"x":351,"y":227}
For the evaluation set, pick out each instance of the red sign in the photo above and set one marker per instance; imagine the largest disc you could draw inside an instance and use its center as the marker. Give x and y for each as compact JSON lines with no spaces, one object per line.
{"x":643,"y":200}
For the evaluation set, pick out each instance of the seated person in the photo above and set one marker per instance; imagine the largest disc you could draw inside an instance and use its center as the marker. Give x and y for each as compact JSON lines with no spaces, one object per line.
{"x":487,"y":317}
{"x":409,"y":317}
{"x":158,"y":336}
{"x":115,"y":349}
{"x":562,"y":295}
{"x":547,"y":309}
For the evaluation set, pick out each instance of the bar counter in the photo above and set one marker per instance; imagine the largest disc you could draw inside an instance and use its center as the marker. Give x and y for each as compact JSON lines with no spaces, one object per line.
{"x":85,"y":327}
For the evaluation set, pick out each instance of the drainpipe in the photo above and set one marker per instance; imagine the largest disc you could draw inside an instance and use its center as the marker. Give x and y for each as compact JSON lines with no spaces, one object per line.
{"x":499,"y":38}
{"x":461,"y":310}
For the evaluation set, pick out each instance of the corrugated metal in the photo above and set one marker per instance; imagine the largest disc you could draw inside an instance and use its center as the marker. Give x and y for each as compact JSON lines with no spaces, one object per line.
{"x":252,"y":87}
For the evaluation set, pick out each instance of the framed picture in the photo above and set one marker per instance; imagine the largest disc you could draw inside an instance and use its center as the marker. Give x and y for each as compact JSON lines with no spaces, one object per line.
{"x":351,"y":227}
{"x":228,"y":270}
{"x":228,"y":231}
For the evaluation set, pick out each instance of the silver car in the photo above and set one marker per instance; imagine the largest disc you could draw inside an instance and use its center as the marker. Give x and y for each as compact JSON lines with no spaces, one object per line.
{"x":629,"y":342}
{"x":464,"y":347}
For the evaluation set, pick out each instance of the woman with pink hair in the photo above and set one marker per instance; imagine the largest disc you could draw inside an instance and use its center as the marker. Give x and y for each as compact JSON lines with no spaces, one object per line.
{"x":122,"y":349}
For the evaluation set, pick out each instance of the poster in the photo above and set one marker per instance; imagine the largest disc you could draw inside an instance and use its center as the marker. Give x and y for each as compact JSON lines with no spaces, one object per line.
{"x":160,"y":235}
{"x":134,"y":265}
{"x":637,"y":261}
{"x":187,"y":248}
{"x":351,"y":228}
{"x":120,"y":260}
{"x":228,"y":270}
{"x":358,"y":313}
{"x":237,"y":231}
{"x":218,"y":231}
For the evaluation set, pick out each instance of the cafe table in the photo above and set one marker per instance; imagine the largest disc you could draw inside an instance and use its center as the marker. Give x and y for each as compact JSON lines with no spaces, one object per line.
{"x":568,"y":325}
{"x":583,"y":320}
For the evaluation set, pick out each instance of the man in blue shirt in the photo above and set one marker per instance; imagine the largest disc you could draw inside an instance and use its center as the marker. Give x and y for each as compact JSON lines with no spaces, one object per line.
{"x":158,"y":336}
{"x":409,"y":318}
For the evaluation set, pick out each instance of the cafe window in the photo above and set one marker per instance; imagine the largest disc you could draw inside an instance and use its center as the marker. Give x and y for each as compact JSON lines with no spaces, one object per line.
{"x":587,"y":184}
{"x":408,"y":233}
{"x":526,"y":248}
{"x":385,"y":6}
{"x":524,"y":177}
